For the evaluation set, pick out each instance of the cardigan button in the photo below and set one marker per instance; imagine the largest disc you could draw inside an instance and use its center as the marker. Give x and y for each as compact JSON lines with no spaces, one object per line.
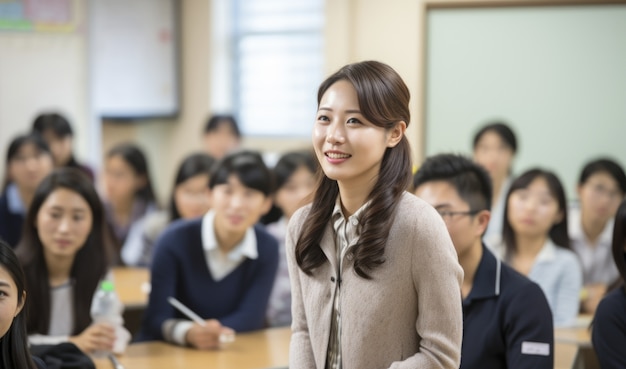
{"x":332,"y":279}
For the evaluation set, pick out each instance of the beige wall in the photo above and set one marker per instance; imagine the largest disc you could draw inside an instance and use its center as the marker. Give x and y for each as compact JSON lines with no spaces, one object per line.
{"x":45,"y":71}
{"x":355,"y":30}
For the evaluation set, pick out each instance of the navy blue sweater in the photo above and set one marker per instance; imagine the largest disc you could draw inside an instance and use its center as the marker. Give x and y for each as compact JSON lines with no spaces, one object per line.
{"x":180,"y":269}
{"x":10,"y":223}
{"x":609,"y":330}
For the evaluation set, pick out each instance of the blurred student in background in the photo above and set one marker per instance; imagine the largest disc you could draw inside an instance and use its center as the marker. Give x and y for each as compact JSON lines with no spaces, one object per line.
{"x":294,"y":174}
{"x":190,"y":199}
{"x":13,"y":337}
{"x":502,"y":310}
{"x":222,"y":266}
{"x":129,"y":199}
{"x":495,"y":146}
{"x":609,"y":324}
{"x":58,"y":134}
{"x":221,"y":135}
{"x":28,"y":161}
{"x":536,"y":242}
{"x":64,"y":254}
{"x":601,"y":188}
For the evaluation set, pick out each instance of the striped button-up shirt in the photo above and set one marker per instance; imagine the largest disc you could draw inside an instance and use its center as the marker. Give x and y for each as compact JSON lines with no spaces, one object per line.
{"x":346,"y":235}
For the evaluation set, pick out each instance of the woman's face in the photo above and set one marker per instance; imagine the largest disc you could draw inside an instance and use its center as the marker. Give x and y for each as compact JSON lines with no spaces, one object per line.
{"x":290,"y":196}
{"x":120,"y":180}
{"x":9,"y":305}
{"x":349,"y":148}
{"x":600,"y":197}
{"x":192,"y":197}
{"x":532,"y":211}
{"x":61,"y":147}
{"x":494,"y":154}
{"x":236,"y":206}
{"x":221,"y":141}
{"x":30,"y":166}
{"x":64,"y":222}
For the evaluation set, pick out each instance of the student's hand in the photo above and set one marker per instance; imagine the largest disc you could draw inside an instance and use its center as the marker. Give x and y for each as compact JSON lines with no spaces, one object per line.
{"x":594,"y":293}
{"x":207,"y":337}
{"x":98,"y":336}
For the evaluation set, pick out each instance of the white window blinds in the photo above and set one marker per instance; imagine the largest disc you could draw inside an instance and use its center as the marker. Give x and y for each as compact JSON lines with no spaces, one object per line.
{"x":278,"y":65}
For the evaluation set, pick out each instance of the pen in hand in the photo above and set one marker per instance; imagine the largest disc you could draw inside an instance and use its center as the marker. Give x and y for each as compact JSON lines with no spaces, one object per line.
{"x":224,"y":338}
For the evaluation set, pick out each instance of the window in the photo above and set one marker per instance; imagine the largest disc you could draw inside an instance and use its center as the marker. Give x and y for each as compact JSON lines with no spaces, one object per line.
{"x":278,"y":65}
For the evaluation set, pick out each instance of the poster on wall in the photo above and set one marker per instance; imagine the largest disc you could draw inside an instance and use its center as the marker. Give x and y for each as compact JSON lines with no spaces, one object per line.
{"x":39,"y":15}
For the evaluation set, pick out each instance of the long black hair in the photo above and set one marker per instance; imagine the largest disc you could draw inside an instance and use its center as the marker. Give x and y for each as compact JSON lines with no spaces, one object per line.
{"x":192,"y":165}
{"x":14,"y":148}
{"x":619,"y":242}
{"x":90,"y":263}
{"x":14,"y":344}
{"x":136,"y":159}
{"x":558,"y":232}
{"x":383,"y":100}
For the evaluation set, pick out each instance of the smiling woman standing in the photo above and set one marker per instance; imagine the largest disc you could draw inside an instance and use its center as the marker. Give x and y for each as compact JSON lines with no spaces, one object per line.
{"x":375,"y":277}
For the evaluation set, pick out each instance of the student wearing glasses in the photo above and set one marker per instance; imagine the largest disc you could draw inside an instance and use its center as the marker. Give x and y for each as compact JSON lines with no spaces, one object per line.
{"x":536,"y":243}
{"x":507,"y":322}
{"x":601,"y":188}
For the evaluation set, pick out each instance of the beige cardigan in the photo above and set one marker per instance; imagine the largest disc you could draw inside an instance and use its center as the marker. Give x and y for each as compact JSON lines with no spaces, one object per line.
{"x":408,"y":316}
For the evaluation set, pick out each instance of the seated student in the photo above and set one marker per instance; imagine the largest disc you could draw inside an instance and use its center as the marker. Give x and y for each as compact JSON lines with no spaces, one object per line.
{"x":57,"y":132}
{"x":221,"y":266}
{"x":536,"y":244}
{"x":601,"y":188}
{"x":495,"y":146}
{"x":507,"y":322}
{"x":64,"y":257}
{"x":129,"y":199}
{"x":294,"y":174}
{"x":189,"y":199}
{"x":221,"y":135}
{"x":609,"y":324}
{"x":28,"y":161}
{"x":13,"y":339}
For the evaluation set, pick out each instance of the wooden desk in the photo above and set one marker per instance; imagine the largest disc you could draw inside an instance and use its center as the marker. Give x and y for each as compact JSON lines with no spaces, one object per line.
{"x":132,"y":286}
{"x":262,"y":349}
{"x":573,"y":348}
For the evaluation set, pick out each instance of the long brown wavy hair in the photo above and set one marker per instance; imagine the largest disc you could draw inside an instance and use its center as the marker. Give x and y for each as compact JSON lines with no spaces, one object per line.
{"x":383,"y":100}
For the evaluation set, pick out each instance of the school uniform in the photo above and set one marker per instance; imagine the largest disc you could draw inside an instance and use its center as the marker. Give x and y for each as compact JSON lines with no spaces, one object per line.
{"x":596,"y":260}
{"x":557,"y":271}
{"x":507,"y":321}
{"x":279,"y":307}
{"x":188,"y":265}
{"x":609,"y":330}
{"x":12,"y":215}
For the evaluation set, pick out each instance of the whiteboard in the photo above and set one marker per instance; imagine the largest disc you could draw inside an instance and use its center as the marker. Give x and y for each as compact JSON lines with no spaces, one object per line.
{"x":133,"y":58}
{"x":556,"y":74}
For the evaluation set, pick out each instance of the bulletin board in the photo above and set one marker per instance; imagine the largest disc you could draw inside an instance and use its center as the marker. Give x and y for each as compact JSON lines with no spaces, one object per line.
{"x":133,"y":58}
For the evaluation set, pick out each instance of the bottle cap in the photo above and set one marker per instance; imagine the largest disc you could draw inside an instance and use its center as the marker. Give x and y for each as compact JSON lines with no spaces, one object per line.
{"x":107,"y":286}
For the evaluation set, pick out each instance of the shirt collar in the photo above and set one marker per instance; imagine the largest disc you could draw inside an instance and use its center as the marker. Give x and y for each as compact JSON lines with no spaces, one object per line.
{"x":338,"y":217}
{"x":487,"y":278}
{"x":14,"y":200}
{"x":548,"y":252}
{"x":247,"y":247}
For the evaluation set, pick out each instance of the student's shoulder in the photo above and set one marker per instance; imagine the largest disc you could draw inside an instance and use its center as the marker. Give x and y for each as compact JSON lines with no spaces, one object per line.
{"x":567,"y":259}
{"x":181,"y":231}
{"x":613,"y":305}
{"x":263,"y":237}
{"x":513,"y":283}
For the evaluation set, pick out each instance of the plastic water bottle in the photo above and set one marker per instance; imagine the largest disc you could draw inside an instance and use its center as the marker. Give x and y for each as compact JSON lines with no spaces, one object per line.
{"x":106,"y":307}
